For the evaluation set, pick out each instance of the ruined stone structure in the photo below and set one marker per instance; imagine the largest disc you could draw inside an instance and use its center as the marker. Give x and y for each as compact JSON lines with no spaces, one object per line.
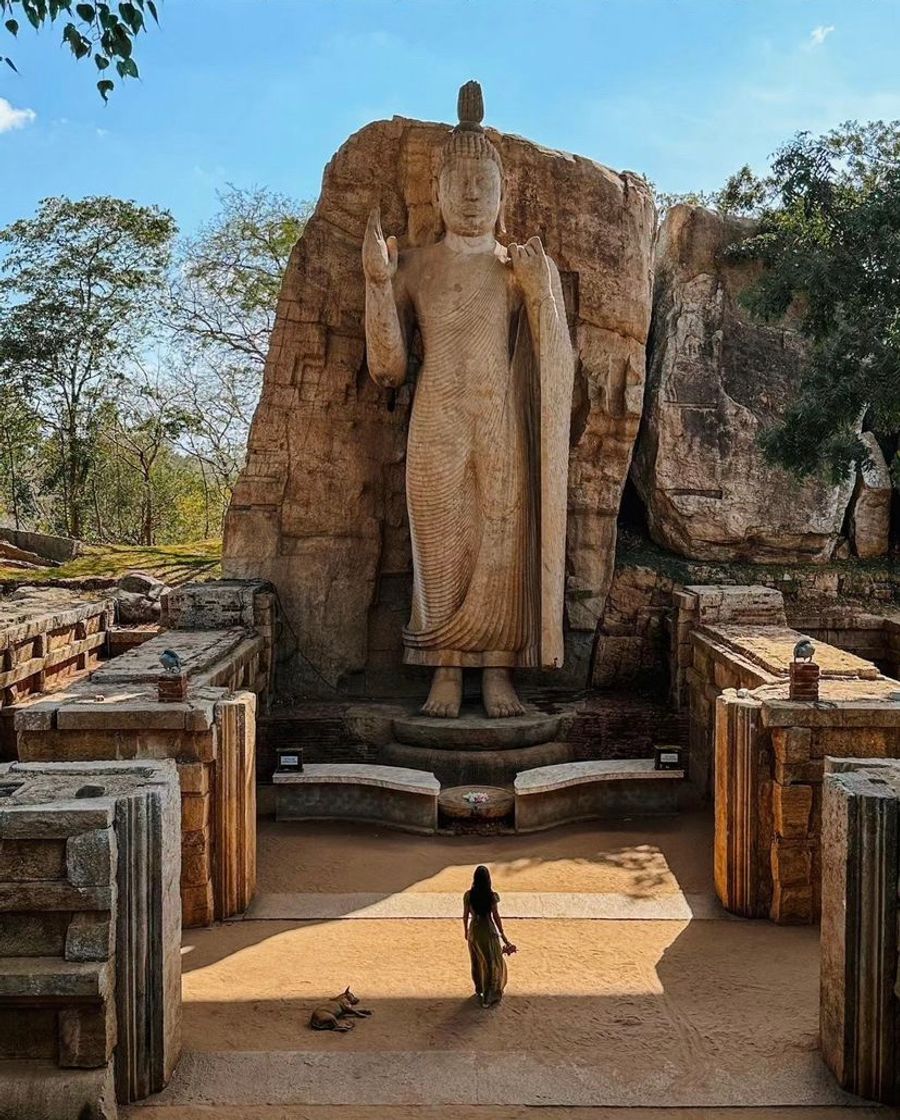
{"x":715,"y":378}
{"x":46,"y":636}
{"x":860,"y":978}
{"x":115,"y":713}
{"x":320,"y":509}
{"x":769,"y":767}
{"x":90,"y":936}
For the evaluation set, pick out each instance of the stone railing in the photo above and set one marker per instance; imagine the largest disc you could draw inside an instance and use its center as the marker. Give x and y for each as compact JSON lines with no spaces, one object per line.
{"x":46,"y":636}
{"x":117,"y":713}
{"x":90,"y":931}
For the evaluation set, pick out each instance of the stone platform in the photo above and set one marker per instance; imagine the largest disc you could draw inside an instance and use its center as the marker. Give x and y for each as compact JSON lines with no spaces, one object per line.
{"x":473,"y":731}
{"x":473,"y":750}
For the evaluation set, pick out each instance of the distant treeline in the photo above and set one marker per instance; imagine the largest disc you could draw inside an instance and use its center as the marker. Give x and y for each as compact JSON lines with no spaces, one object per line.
{"x":131,"y":360}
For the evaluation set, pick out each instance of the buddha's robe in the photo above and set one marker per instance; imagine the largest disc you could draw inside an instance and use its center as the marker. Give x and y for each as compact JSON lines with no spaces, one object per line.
{"x":486,"y":465}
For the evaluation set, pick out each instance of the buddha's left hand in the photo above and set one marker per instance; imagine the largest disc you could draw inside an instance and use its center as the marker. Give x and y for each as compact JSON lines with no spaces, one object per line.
{"x":531,"y":269}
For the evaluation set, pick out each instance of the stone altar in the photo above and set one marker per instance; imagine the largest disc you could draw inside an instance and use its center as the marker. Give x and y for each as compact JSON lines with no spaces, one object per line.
{"x":320,"y":509}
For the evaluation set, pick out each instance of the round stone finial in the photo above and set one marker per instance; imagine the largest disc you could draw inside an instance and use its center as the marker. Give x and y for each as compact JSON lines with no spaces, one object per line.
{"x":470,"y":106}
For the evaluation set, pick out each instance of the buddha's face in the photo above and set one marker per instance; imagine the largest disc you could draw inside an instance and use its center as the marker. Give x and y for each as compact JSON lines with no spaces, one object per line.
{"x":469,"y":195}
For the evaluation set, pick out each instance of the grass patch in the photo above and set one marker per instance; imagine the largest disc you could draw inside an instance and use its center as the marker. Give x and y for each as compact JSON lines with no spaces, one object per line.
{"x":172,"y":563}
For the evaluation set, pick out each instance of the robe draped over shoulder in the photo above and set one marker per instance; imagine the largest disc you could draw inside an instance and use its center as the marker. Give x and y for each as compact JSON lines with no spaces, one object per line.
{"x":486,"y":474}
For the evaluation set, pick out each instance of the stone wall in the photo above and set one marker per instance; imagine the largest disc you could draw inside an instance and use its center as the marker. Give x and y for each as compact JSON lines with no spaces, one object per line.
{"x":320,"y":508}
{"x":56,"y":549}
{"x":46,"y":636}
{"x":117,"y":713}
{"x":90,"y":936}
{"x":848,"y":605}
{"x":770,"y":763}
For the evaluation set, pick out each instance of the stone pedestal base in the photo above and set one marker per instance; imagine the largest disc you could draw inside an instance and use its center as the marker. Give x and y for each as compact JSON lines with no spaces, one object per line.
{"x":474,"y":750}
{"x":804,"y":681}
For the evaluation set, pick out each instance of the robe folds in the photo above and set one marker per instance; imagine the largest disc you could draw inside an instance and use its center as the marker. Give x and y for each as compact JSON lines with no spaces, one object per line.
{"x":486,"y":475}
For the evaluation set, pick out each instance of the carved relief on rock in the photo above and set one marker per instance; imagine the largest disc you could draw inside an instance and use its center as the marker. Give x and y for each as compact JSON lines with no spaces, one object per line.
{"x":488,"y":446}
{"x":320,"y":507}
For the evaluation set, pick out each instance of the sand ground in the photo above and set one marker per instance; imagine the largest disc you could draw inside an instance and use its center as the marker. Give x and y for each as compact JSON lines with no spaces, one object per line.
{"x":676,"y":1019}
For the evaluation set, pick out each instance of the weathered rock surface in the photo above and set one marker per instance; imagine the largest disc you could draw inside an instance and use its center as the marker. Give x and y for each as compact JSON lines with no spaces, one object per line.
{"x":320,"y":508}
{"x":871,"y":514}
{"x":138,"y":596}
{"x":715,"y":379}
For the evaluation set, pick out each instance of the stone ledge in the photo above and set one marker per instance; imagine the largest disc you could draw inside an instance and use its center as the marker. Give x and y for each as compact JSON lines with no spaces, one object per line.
{"x":54,"y":820}
{"x":45,"y":894}
{"x":474,"y":731}
{"x":32,"y":1089}
{"x":383,"y":777}
{"x":199,"y":650}
{"x":543,"y":779}
{"x":37,"y":978}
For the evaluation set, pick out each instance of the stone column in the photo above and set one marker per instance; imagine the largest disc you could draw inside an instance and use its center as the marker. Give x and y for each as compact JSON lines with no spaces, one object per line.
{"x":743,"y":826}
{"x":859,"y":1003}
{"x":90,"y":933}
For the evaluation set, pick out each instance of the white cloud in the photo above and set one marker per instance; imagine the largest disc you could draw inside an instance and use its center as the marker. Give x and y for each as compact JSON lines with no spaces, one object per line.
{"x":11,"y":118}
{"x":818,"y":35}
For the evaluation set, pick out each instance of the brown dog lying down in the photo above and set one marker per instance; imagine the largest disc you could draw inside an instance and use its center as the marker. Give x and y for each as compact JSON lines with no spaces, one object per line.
{"x":331,"y":1016}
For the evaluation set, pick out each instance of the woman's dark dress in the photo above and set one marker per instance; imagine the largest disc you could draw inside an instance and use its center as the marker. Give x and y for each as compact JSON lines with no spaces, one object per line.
{"x":486,"y":952}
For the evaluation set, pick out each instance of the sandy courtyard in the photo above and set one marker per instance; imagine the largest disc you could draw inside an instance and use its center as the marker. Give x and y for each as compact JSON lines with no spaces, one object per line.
{"x":683,"y":1016}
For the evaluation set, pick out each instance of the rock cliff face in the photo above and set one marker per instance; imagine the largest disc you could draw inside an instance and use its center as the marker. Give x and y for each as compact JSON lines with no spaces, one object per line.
{"x":320,"y":508}
{"x":870,"y":517}
{"x":715,"y":379}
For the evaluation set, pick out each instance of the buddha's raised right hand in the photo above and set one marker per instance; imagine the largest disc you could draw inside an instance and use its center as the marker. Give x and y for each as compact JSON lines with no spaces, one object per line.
{"x":379,"y":254}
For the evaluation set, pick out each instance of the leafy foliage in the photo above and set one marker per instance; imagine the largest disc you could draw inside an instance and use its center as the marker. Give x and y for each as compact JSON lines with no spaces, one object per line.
{"x":129,"y":372}
{"x":829,"y":241}
{"x":743,"y":195}
{"x":104,"y":32}
{"x":222,"y":311}
{"x":74,"y":286}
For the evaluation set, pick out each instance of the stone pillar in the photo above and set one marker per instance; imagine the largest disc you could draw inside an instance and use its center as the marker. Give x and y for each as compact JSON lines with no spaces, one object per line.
{"x":804,"y":680}
{"x":90,"y":932}
{"x":859,"y":1002}
{"x":743,"y":827}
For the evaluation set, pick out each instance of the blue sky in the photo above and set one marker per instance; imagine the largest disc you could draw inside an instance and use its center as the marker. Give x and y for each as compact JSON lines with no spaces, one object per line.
{"x":262,"y":92}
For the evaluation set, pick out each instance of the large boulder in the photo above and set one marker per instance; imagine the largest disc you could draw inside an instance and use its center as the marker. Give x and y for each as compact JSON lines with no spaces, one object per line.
{"x":715,"y":378}
{"x":320,"y":508}
{"x":870,"y":519}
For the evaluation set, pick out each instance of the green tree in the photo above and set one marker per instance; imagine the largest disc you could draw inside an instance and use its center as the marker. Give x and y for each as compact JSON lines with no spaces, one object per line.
{"x":79,"y":285}
{"x":222,"y":313}
{"x":829,"y":243}
{"x":104,"y":32}
{"x":147,"y":419}
{"x":20,"y":459}
{"x":230,"y":273}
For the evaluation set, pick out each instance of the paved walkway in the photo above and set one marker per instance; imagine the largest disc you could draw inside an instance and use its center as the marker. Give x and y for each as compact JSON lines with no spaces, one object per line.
{"x":611,"y":905}
{"x":634,"y":992}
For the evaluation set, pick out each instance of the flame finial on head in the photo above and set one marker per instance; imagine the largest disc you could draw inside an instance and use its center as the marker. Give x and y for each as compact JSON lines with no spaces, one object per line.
{"x":468,"y":139}
{"x":470,"y":107}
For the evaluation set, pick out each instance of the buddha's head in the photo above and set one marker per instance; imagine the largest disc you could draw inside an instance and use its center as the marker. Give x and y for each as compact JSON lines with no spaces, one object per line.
{"x":470,"y":188}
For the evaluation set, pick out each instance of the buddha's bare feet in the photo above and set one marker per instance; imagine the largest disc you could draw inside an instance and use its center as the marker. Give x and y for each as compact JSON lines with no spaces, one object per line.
{"x":499,"y":696}
{"x":445,"y":695}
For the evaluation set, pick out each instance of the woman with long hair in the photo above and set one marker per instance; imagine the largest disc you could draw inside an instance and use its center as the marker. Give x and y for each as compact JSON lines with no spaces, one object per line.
{"x":488,"y":944}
